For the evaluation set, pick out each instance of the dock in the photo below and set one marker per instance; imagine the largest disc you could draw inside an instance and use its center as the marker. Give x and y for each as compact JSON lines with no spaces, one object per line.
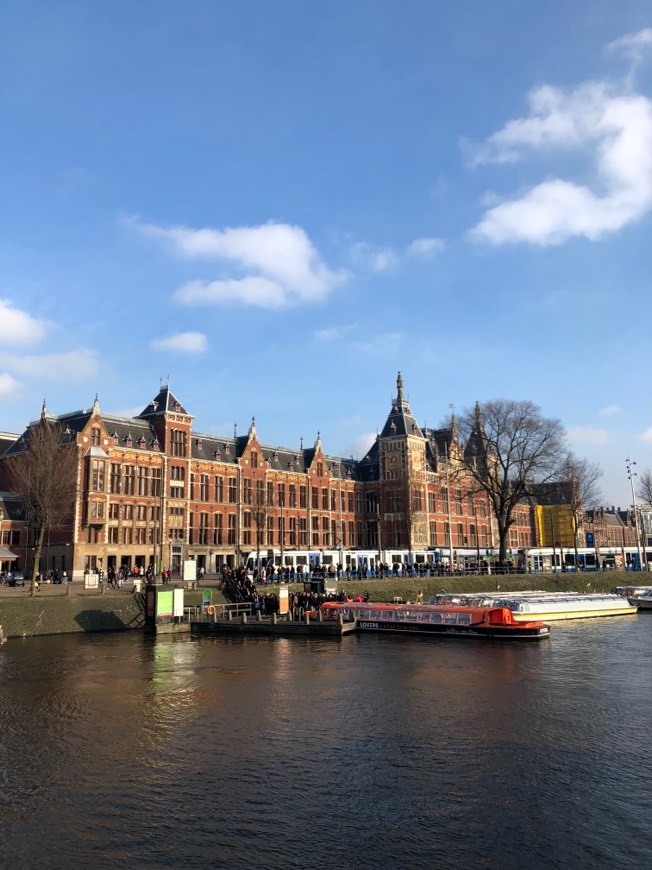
{"x":277,"y":626}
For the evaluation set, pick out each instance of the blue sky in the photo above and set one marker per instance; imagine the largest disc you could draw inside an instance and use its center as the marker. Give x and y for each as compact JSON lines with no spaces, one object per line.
{"x":281,"y":204}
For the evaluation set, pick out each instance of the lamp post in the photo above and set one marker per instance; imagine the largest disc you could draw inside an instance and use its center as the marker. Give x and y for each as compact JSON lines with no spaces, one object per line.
{"x":629,"y":462}
{"x":448,"y":506}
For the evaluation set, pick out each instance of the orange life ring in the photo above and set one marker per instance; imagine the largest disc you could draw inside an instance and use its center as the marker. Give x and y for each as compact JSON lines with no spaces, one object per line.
{"x":211,"y":610}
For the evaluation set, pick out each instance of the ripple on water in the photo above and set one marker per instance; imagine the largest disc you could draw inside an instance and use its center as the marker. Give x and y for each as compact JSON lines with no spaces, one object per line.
{"x":370,"y":751}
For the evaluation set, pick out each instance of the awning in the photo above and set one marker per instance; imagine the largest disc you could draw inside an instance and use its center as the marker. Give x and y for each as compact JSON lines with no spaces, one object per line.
{"x":6,"y":554}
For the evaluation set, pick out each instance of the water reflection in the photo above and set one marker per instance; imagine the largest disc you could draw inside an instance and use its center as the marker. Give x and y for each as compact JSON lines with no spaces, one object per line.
{"x":248,"y":752}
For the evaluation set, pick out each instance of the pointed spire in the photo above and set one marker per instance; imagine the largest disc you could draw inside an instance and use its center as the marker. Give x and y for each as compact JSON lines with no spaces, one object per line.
{"x":318,"y":441}
{"x":399,"y":389}
{"x":235,"y":431}
{"x":96,"y":405}
{"x":478,"y":419}
{"x":454,"y":435}
{"x":252,"y":428}
{"x":44,"y":411}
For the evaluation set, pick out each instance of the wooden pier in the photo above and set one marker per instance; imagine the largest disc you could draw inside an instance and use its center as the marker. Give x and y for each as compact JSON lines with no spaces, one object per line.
{"x":279,"y":626}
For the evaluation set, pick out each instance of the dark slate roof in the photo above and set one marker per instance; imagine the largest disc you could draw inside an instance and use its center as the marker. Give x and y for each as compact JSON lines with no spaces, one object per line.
{"x":165,"y":401}
{"x":557,"y":493}
{"x":12,"y":506}
{"x":121,"y":429}
{"x":438,"y":446}
{"x":7,"y":440}
{"x":214,"y":448}
{"x":124,"y":430}
{"x":400,"y":420}
{"x":611,"y":517}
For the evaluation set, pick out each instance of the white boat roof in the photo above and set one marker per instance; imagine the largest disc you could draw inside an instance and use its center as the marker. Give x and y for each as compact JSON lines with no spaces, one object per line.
{"x":541,"y":602}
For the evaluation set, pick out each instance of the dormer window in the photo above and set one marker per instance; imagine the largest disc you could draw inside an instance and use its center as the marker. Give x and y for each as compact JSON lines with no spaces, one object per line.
{"x":141,"y":442}
{"x":199,"y":444}
{"x":155,"y":445}
{"x":129,"y":441}
{"x":227,"y":449}
{"x":176,"y":406}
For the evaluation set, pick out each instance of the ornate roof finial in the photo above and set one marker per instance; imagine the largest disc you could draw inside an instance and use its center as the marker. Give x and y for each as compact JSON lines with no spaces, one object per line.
{"x":96,"y":405}
{"x":478,"y":419}
{"x":44,"y":411}
{"x":318,"y":441}
{"x":235,"y":431}
{"x":252,"y":428}
{"x":399,"y":388}
{"x":301,"y":442}
{"x":453,"y":424}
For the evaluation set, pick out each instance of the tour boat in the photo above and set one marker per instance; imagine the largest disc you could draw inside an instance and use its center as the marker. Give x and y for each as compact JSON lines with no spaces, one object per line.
{"x":547,"y":606}
{"x":642,"y":601}
{"x":450,"y":621}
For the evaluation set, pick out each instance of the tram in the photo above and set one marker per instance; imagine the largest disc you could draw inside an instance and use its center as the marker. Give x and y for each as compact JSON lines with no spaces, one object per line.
{"x":300,"y":563}
{"x":554,"y":559}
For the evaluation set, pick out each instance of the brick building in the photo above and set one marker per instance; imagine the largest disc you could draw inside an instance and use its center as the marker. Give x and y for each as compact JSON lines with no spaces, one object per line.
{"x":151,"y":490}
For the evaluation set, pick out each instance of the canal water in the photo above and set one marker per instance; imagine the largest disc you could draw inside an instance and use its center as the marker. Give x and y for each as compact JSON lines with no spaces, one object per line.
{"x":366,"y":752}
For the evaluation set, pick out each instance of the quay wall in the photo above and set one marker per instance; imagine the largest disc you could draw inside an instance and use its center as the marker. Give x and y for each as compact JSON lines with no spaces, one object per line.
{"x":24,"y":616}
{"x":67,"y":614}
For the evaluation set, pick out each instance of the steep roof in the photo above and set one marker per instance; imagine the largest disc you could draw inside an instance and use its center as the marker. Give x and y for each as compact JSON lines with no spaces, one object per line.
{"x":164,"y":402}
{"x":400,"y":420}
{"x":12,"y":506}
{"x":6,"y":441}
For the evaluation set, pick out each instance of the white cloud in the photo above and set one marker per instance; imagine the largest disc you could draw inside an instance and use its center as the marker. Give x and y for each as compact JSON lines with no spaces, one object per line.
{"x":646,"y":437}
{"x":371,"y":257}
{"x":286,"y":267}
{"x":380,"y":343}
{"x":633,"y":45}
{"x":587,"y":435}
{"x":333,"y":333}
{"x":74,"y":365}
{"x":187,"y":342}
{"x":615,"y":125}
{"x":8,"y":386}
{"x":611,"y":411}
{"x":18,"y":327}
{"x":355,"y":420}
{"x":245,"y":291}
{"x":424,"y":247}
{"x":361,"y":445}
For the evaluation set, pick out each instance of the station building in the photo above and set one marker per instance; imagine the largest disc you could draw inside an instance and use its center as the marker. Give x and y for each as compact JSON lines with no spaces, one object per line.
{"x":151,"y":490}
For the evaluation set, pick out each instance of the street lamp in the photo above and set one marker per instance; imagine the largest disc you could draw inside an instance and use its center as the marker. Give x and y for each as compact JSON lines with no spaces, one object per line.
{"x":631,"y":474}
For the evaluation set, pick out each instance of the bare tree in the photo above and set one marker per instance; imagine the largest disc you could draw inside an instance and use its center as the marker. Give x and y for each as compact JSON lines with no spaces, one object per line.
{"x":260,"y":510}
{"x":645,"y":486}
{"x":580,"y":488}
{"x":44,"y":476}
{"x":510,"y":451}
